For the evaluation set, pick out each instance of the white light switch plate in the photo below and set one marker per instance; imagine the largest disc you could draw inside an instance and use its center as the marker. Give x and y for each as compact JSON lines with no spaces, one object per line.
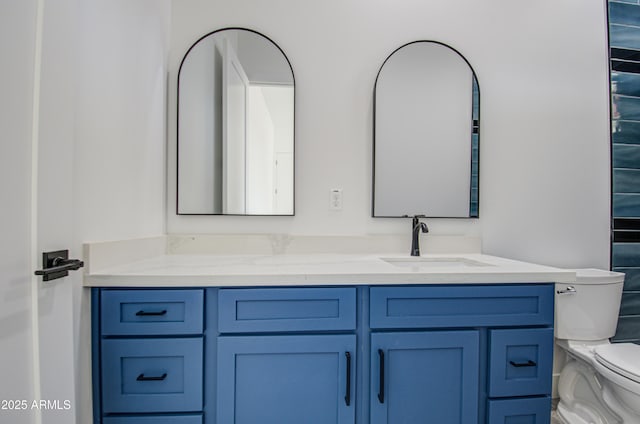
{"x":335,"y":201}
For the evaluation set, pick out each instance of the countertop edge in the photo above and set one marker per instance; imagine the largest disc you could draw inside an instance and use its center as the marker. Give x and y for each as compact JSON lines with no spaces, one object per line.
{"x":125,"y":281}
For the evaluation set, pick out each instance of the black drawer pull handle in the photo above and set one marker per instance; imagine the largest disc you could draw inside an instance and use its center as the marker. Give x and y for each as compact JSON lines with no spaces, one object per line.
{"x":347,"y":396}
{"x":151,"y":314}
{"x":142,"y":377}
{"x":529,"y":363}
{"x":381,"y":390}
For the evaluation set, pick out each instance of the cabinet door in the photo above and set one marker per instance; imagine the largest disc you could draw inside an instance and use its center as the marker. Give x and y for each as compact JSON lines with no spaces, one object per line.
{"x":286,"y":379}
{"x":425,"y":377}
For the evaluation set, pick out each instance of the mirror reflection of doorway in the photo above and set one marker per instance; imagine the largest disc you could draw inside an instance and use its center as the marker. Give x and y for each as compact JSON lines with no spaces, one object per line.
{"x":236,"y":127}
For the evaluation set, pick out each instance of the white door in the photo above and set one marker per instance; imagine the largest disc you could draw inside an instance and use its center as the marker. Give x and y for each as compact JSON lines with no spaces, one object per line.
{"x":37,"y":373}
{"x":234,"y":115}
{"x":55,"y":348}
{"x":17,"y":28}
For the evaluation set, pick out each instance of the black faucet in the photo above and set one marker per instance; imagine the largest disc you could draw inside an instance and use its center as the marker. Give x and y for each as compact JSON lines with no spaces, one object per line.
{"x":416,"y":226}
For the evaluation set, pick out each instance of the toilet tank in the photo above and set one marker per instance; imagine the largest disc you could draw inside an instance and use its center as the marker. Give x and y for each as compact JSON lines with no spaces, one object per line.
{"x":588,"y":309}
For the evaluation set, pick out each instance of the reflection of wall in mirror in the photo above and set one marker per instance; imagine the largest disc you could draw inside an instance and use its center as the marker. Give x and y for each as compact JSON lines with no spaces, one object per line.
{"x":280,"y":99}
{"x":423,"y":133}
{"x":200,"y":105}
{"x":260,"y":149}
{"x":269,"y":178}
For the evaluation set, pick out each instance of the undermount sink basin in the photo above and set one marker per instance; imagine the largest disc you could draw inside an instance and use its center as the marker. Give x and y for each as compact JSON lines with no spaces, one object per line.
{"x":427,"y":263}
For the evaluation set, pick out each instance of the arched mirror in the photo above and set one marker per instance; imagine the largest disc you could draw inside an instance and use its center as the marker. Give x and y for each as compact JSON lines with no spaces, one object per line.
{"x":235,"y":127}
{"x":426,"y":146}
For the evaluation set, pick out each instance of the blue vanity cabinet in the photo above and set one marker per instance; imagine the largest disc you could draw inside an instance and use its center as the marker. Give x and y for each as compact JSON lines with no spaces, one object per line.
{"x":429,"y":376}
{"x":450,"y":354}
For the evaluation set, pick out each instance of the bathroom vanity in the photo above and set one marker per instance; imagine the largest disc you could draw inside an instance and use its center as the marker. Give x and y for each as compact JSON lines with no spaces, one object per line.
{"x":323,"y":339}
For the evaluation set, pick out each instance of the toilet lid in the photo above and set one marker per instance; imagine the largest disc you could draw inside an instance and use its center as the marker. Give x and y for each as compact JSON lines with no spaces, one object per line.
{"x":622,"y":358}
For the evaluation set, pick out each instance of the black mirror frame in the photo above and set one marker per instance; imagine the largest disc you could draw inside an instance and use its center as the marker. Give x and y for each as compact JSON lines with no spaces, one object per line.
{"x":293,"y":212}
{"x":475,"y":116}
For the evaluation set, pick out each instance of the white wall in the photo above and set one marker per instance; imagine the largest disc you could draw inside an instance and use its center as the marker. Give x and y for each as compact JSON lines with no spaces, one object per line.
{"x":259,"y":153}
{"x":201,"y":91}
{"x":545,"y":161}
{"x":17,"y":42}
{"x":119,"y":154}
{"x":543,"y":74}
{"x":120,"y":131}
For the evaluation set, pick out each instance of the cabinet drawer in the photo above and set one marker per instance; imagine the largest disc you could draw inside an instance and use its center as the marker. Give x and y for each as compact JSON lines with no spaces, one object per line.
{"x":521,"y":362}
{"x":520,"y":411}
{"x":461,"y":306}
{"x":155,"y":419}
{"x":151,"y":312}
{"x":295,"y":309}
{"x":152,"y":375}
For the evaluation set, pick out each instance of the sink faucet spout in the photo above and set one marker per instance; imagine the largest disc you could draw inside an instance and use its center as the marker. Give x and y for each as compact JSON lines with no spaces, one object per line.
{"x":416,"y":227}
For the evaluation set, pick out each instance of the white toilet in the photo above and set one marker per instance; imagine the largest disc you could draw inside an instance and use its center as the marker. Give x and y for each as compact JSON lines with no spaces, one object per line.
{"x":600,"y":383}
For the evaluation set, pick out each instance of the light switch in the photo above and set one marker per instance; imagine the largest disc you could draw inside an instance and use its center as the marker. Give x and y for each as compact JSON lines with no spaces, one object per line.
{"x":335,"y":201}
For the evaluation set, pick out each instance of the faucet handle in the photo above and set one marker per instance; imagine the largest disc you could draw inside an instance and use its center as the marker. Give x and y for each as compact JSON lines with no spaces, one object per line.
{"x":416,"y":223}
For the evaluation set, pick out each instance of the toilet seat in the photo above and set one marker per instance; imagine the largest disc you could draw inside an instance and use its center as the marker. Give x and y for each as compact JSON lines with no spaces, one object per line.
{"x":622,"y":358}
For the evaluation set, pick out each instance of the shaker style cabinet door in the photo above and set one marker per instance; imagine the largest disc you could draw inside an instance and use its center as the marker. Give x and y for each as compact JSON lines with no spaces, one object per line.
{"x":286,"y":379}
{"x":425,"y":377}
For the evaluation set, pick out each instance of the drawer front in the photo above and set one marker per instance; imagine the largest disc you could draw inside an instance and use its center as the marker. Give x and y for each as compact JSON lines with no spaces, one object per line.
{"x":294,"y":309}
{"x":461,"y":306}
{"x":521,"y":362}
{"x":152,"y":375}
{"x":151,"y":312}
{"x":164,"y":419}
{"x":520,"y":411}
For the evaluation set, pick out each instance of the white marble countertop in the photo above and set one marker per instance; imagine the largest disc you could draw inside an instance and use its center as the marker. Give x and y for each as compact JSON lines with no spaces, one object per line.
{"x":191,"y":270}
